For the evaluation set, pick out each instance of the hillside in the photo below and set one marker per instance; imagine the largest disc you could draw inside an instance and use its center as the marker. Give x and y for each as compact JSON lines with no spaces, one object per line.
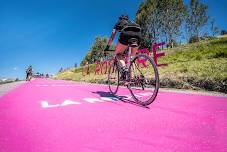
{"x":194,"y":66}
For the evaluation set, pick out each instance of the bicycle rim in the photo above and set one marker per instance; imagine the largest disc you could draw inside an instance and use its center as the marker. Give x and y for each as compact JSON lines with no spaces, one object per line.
{"x":113,"y":78}
{"x":144,"y":80}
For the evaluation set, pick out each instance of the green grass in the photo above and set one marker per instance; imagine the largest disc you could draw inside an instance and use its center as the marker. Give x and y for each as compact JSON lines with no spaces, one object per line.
{"x":207,"y":74}
{"x":194,"y":66}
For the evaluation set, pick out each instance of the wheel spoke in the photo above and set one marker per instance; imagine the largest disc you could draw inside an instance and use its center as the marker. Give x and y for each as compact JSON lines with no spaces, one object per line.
{"x":144,"y":83}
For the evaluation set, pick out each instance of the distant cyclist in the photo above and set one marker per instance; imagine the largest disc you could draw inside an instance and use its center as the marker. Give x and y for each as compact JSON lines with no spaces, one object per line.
{"x":29,"y":73}
{"x":128,"y":30}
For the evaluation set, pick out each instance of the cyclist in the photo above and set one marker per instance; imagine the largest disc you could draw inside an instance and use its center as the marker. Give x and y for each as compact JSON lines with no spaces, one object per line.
{"x":28,"y":72}
{"x":128,"y":30}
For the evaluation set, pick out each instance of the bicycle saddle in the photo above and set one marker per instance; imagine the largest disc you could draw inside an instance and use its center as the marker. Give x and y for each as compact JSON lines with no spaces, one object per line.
{"x":133,"y":42}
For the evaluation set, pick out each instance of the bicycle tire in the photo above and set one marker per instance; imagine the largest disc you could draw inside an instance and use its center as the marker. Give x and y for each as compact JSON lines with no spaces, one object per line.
{"x":113,"y":69}
{"x":156,"y":77}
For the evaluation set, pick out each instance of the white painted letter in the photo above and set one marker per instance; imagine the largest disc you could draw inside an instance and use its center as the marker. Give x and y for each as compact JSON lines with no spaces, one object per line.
{"x":93,"y":100}
{"x":45,"y":104}
{"x":69,"y":102}
{"x":145,"y":94}
{"x":109,"y":98}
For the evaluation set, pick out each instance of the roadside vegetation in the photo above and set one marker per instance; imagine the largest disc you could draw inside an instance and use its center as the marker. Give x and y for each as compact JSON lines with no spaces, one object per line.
{"x":197,"y":66}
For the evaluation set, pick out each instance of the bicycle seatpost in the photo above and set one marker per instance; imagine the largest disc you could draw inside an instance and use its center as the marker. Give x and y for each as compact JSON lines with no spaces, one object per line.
{"x":129,"y":56}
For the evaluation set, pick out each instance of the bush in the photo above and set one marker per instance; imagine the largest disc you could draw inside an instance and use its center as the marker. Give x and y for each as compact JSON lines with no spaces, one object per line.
{"x":194,"y":39}
{"x":220,"y":55}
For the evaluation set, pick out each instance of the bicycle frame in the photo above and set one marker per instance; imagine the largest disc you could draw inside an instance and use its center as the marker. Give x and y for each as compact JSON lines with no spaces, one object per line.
{"x":129,"y":48}
{"x":129,"y":59}
{"x":134,"y":75}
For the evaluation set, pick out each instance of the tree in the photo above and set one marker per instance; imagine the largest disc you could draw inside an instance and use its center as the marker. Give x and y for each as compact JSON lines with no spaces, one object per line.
{"x":97,"y":49}
{"x":96,"y":52}
{"x":214,"y":28}
{"x":75,"y":65}
{"x":148,"y":17}
{"x":196,"y":18}
{"x":173,"y":13}
{"x":61,"y":70}
{"x":160,"y":17}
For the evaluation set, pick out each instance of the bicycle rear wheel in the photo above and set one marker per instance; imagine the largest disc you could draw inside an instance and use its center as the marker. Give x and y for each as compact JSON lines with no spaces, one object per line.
{"x":113,"y":78}
{"x":144,"y":80}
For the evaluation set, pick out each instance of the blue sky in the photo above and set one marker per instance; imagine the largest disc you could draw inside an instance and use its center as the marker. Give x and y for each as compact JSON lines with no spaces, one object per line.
{"x":50,"y":34}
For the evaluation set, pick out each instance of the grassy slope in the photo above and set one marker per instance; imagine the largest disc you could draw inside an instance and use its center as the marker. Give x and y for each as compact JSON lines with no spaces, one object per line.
{"x":193,"y":66}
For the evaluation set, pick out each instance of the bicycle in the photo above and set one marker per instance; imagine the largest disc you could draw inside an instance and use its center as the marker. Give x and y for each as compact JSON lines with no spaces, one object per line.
{"x":133,"y":81}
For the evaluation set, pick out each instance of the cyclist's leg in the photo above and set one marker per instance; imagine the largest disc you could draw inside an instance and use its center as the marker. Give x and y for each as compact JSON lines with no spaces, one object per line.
{"x":134,"y":50}
{"x":120,"y":48}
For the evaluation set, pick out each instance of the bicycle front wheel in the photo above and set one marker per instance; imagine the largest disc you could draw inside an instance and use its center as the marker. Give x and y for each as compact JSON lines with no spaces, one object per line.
{"x":113,"y":78}
{"x":144,"y":79}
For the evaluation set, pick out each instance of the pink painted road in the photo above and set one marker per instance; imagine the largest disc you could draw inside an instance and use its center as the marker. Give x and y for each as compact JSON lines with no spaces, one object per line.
{"x":59,"y":116}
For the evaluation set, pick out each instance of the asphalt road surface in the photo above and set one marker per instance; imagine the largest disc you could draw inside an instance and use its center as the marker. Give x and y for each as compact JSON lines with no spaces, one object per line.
{"x":61,"y":116}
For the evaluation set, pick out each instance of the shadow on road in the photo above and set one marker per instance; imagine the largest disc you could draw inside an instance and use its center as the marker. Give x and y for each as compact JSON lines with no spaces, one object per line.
{"x":118,"y":98}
